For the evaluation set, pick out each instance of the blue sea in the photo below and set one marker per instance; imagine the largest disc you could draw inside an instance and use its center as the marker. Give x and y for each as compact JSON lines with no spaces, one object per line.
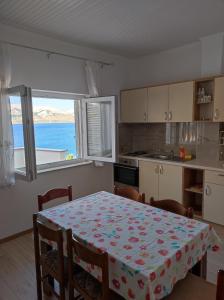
{"x":49,"y":135}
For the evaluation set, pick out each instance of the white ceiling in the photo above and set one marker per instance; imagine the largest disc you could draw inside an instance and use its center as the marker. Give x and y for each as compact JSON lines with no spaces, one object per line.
{"x":126,"y":27}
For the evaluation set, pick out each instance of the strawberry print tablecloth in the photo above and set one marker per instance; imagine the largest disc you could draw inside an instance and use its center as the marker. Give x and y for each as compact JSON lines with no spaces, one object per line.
{"x":149,"y":249}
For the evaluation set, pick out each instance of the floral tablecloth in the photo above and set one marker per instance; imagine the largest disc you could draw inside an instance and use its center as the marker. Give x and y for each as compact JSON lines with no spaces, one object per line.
{"x":149,"y":249}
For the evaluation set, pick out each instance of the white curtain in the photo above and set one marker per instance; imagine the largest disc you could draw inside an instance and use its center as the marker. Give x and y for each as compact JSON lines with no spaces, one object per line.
{"x":93,"y":78}
{"x":7,"y":174}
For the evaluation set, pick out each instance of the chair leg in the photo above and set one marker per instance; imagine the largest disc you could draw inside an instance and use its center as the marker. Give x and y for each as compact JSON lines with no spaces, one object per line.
{"x":39,"y":287}
{"x":62,"y":291}
{"x":71,"y":292}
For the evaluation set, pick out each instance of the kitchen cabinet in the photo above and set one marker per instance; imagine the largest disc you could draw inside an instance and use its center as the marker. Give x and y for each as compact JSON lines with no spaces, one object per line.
{"x":170,"y":182}
{"x":171,"y":103}
{"x":213,"y":197}
{"x":164,"y":103}
{"x":158,"y":102}
{"x":160,"y":181}
{"x":181,"y":102}
{"x":149,"y":179}
{"x":133,"y":106}
{"x":218,"y":109}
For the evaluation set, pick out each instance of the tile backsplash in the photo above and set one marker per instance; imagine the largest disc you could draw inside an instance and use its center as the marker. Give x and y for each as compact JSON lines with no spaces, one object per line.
{"x":200,"y":138}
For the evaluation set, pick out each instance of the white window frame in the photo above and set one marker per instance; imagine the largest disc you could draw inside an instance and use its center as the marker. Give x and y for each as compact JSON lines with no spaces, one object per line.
{"x":71,"y":96}
{"x":31,"y":168}
{"x":25,"y":94}
{"x":111,"y":99}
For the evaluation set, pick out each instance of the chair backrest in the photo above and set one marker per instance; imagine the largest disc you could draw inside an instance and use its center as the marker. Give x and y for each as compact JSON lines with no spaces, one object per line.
{"x":90,"y":256}
{"x":130,"y":193}
{"x":40,"y":230}
{"x":220,"y":285}
{"x":173,"y":206}
{"x":54,"y":194}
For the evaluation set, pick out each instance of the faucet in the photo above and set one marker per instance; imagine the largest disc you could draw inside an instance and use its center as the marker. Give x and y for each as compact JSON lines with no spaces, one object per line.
{"x":171,"y":154}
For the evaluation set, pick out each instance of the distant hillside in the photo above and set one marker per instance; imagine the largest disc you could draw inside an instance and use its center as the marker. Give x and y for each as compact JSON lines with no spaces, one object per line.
{"x":42,"y":116}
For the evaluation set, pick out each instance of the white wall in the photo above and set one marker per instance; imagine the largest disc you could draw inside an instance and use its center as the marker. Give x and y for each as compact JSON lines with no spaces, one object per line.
{"x":19,"y":202}
{"x":32,"y":68}
{"x":181,"y":63}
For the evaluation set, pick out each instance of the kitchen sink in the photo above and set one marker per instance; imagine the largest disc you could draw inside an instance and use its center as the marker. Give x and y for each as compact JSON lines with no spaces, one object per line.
{"x":164,"y":157}
{"x":157,"y":156}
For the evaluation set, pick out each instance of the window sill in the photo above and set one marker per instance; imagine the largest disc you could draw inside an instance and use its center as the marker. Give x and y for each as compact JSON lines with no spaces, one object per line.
{"x":55,"y":168}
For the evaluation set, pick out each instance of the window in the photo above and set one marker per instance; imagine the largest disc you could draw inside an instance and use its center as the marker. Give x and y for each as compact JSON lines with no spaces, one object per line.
{"x":99,"y":125}
{"x":63,"y":129}
{"x":21,"y":112}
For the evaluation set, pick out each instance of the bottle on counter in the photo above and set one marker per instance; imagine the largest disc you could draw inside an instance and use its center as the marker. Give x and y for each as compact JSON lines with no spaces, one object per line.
{"x":182,"y":152}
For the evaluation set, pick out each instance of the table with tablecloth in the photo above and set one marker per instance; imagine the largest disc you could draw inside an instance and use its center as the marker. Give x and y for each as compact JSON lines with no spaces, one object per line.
{"x":149,"y":249}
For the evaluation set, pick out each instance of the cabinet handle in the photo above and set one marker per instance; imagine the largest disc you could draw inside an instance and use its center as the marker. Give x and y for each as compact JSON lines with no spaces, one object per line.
{"x":216,"y":114}
{"x":157,"y":169}
{"x":208,"y":190}
{"x":166,"y":116}
{"x":161,"y":169}
{"x":145,"y":116}
{"x":170,"y":115}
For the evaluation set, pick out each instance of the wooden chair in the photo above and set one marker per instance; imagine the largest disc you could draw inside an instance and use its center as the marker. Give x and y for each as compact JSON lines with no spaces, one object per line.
{"x":196,"y":288}
{"x":50,"y":264}
{"x":54,"y":194}
{"x":130,"y":193}
{"x":173,"y":206}
{"x":84,"y":283}
{"x":220,"y":285}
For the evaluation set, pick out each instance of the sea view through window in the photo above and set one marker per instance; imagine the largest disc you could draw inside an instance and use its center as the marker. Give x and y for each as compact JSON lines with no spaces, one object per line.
{"x":54,"y":130}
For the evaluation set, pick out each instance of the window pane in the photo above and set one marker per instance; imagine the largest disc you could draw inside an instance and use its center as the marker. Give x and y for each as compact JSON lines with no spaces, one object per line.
{"x":55,"y":130}
{"x":99,"y":131}
{"x":16,"y":114}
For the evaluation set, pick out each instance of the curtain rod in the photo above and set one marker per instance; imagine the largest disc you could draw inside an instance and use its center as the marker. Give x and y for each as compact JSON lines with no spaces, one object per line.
{"x":48,"y":52}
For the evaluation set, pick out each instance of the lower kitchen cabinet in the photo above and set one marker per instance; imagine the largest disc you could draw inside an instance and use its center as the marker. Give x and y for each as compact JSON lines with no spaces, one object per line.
{"x":170,"y":182}
{"x":213,"y":197}
{"x":149,"y":179}
{"x":160,"y":181}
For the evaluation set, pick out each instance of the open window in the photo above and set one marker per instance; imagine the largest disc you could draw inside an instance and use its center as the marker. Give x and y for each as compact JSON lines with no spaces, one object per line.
{"x":22,"y":120}
{"x":99,"y":128}
{"x":54,"y":129}
{"x":56,"y":118}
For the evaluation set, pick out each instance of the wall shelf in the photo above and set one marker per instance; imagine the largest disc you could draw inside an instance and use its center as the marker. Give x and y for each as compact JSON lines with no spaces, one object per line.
{"x":198,"y":189}
{"x":204,"y":103}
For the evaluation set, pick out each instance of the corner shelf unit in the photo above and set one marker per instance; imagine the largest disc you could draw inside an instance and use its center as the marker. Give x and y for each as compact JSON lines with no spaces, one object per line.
{"x":193,"y":190}
{"x":204,"y":100}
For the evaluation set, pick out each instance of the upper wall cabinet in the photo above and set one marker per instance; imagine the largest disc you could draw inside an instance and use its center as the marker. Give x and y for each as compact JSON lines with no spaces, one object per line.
{"x":218,"y":110}
{"x":158,"y":103}
{"x":181,"y":102}
{"x":171,"y":103}
{"x":133,"y":106}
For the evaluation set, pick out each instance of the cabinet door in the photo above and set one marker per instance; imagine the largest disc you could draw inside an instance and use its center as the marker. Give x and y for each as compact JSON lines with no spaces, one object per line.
{"x":181,"y":102}
{"x":158,"y":103}
{"x":214,"y":203}
{"x":218,"y":114}
{"x":134,"y":106}
{"x":149,"y":179}
{"x":170,"y":182}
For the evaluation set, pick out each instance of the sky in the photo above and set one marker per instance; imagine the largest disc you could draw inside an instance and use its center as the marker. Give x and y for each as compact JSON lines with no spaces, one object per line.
{"x":61,"y":105}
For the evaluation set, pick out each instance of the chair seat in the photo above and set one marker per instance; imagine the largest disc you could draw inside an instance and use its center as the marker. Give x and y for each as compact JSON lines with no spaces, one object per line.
{"x":49,"y":262}
{"x":193,"y":288}
{"x":91,"y":285}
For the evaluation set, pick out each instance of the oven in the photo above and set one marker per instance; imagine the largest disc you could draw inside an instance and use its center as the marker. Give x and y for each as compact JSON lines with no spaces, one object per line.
{"x":126,"y":172}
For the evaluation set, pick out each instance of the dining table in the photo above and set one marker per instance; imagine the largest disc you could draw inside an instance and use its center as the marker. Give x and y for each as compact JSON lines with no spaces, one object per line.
{"x":149,"y":249}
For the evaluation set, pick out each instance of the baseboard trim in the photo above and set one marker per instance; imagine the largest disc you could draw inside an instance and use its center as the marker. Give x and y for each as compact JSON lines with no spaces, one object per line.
{"x":14,"y":236}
